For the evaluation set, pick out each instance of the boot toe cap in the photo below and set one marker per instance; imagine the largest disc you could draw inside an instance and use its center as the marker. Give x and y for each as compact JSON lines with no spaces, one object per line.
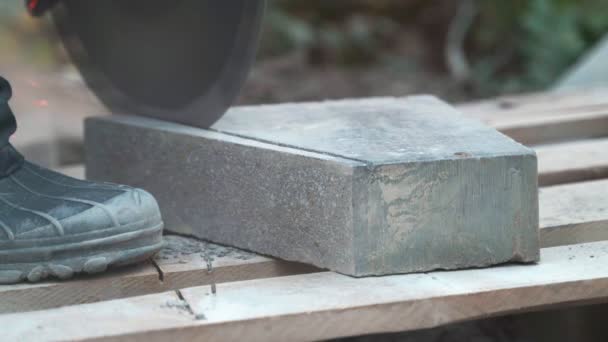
{"x":134,"y":205}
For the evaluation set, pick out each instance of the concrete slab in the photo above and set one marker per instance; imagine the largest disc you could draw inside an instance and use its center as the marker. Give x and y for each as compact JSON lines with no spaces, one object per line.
{"x":362,"y":187}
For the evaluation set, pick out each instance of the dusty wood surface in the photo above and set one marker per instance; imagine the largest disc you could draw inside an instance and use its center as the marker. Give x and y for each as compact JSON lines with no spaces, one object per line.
{"x":326,"y":305}
{"x":188,"y":262}
{"x":574,"y":213}
{"x":541,"y":102}
{"x":546,"y":117}
{"x":572,"y":161}
{"x":183,"y":263}
{"x":127,"y":282}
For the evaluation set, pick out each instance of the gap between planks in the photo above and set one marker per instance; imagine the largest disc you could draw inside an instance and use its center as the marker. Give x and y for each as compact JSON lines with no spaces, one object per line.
{"x":328,"y":305}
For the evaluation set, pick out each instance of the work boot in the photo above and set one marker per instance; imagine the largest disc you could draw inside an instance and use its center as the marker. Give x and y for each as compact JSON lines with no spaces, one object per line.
{"x":52,"y":225}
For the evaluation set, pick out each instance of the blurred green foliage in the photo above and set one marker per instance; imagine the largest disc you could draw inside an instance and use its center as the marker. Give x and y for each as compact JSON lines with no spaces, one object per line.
{"x":346,"y":32}
{"x":514,"y":45}
{"x":521,"y":45}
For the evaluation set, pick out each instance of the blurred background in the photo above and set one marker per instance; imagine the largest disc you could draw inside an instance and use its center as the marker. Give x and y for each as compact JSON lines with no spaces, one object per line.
{"x":316,"y":49}
{"x":459,"y":50}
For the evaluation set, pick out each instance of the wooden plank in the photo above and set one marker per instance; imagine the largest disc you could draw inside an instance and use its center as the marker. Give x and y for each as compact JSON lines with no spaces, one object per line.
{"x":127,"y":282}
{"x":164,"y":310}
{"x":572,"y":162}
{"x":177,"y":266}
{"x":188,"y":262}
{"x":574,"y":213}
{"x":546,"y":117}
{"x":328,"y":305}
{"x":536,"y":102}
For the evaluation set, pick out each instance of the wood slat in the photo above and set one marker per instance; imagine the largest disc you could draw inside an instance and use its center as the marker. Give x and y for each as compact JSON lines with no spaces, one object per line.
{"x":574,"y":213}
{"x":546,"y":117}
{"x":189,"y":262}
{"x":164,"y":310}
{"x":180,"y":265}
{"x":572,"y":162}
{"x":127,"y":282}
{"x":328,"y":305}
{"x":537,"y":102}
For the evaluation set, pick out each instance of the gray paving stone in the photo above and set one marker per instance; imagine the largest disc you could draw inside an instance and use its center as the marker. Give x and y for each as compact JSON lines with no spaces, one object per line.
{"x":362,"y":187}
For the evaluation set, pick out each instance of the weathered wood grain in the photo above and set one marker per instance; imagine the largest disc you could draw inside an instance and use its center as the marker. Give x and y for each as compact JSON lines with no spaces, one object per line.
{"x":127,"y":282}
{"x":545,"y":117}
{"x":536,"y":102}
{"x":188,"y":262}
{"x":158,"y":311}
{"x":328,"y":305}
{"x":574,"y":213}
{"x":572,"y":161}
{"x":184,"y":263}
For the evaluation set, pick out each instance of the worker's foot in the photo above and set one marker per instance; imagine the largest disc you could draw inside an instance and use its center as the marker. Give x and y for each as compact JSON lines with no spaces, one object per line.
{"x":52,"y":225}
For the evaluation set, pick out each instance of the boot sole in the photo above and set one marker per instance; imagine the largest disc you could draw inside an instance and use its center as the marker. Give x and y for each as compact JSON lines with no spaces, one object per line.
{"x":90,"y":257}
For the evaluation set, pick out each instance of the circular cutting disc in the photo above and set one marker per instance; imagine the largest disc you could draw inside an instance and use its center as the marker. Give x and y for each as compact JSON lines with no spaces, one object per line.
{"x":177,"y":60}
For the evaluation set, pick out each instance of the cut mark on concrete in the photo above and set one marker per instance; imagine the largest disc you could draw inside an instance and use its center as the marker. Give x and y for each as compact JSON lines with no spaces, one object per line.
{"x":280,"y":144}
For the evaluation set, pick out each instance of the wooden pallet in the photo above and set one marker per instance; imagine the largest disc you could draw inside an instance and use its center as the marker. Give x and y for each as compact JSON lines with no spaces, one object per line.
{"x":200,"y":291}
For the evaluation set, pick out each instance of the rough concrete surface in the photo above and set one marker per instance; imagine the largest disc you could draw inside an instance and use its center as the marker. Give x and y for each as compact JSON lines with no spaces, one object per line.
{"x":363,"y":187}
